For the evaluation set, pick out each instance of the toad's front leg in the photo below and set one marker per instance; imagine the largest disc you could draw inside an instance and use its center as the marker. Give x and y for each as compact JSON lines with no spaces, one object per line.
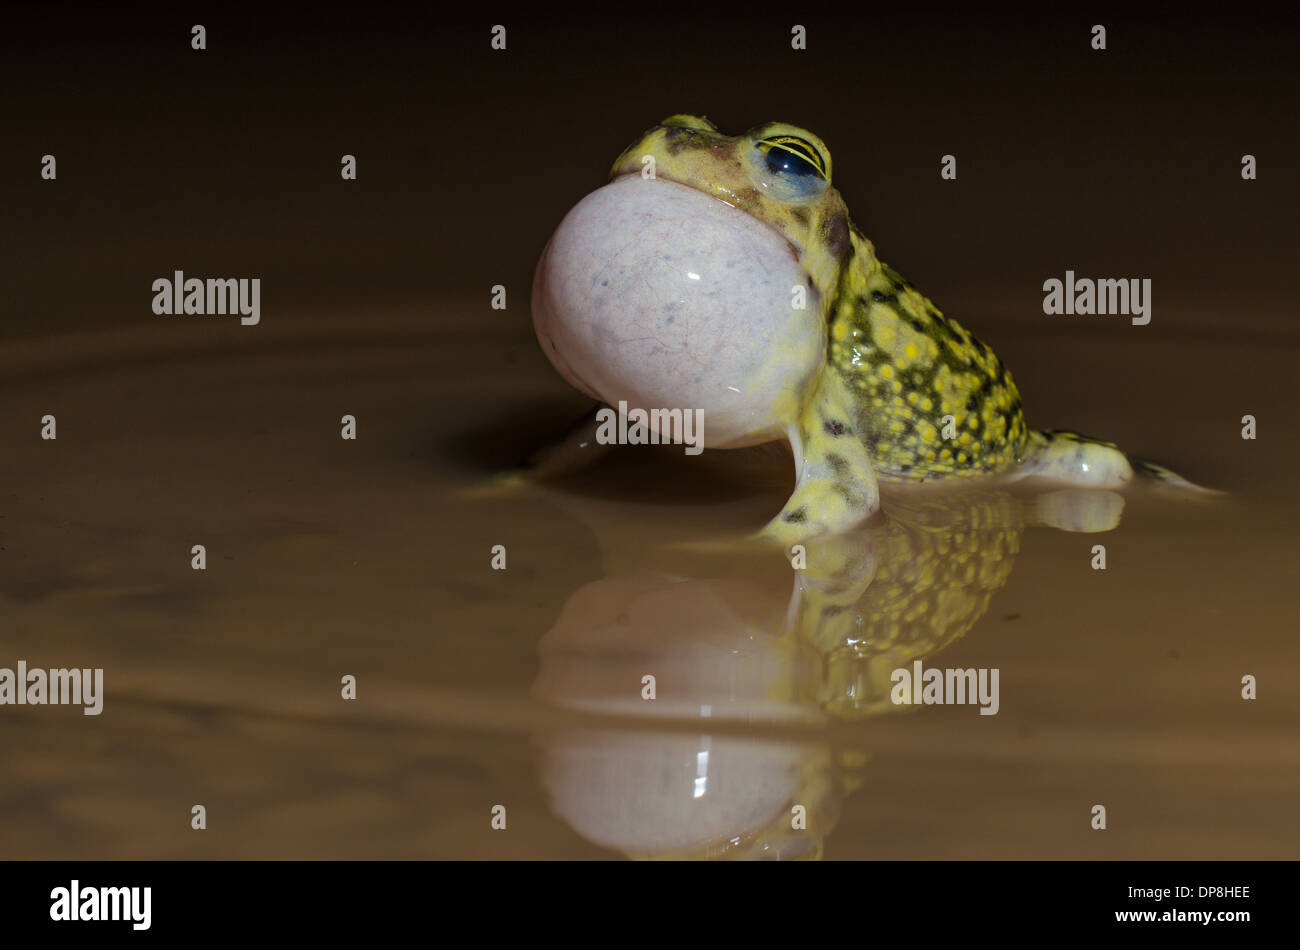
{"x":835,"y":482}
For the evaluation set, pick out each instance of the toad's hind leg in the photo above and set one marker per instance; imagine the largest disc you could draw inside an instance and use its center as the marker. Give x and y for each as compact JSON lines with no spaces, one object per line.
{"x":1083,"y":462}
{"x":835,"y":485}
{"x":1073,"y":459}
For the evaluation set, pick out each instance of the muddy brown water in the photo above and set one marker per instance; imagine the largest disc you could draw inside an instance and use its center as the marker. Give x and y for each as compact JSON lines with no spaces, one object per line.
{"x":523,"y":687}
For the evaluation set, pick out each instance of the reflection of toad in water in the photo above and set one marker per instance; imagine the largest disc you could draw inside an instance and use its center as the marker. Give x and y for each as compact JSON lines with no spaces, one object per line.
{"x":769,"y":671}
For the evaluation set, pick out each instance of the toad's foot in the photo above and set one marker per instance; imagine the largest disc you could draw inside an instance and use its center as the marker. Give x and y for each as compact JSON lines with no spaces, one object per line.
{"x":1080,"y":461}
{"x":1073,"y":459}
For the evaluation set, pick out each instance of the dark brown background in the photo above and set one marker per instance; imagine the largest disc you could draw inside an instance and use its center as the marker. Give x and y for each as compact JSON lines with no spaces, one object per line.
{"x":1122,"y":162}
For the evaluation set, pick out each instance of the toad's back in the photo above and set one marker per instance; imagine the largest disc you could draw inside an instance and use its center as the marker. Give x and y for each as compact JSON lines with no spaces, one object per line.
{"x":932,"y":401}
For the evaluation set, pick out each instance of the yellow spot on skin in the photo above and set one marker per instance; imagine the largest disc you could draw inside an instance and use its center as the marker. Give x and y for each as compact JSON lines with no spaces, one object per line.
{"x":896,"y":357}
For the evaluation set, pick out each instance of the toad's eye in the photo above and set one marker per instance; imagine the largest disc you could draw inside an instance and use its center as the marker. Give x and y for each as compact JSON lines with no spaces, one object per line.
{"x":789,"y":167}
{"x":792,"y":156}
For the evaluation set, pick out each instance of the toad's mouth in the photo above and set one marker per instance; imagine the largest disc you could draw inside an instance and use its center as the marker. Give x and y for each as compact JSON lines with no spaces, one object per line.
{"x":723,"y":197}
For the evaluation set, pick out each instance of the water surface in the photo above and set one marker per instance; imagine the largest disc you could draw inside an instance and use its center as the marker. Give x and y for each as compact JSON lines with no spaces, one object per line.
{"x":523,"y":687}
